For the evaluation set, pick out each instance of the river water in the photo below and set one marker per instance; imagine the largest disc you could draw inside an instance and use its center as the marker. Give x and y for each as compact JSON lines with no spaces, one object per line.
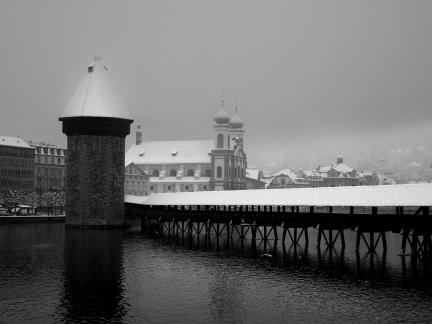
{"x":49,"y":274}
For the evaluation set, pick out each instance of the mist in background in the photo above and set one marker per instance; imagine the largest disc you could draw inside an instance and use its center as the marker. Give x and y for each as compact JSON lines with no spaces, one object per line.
{"x":313,"y":78}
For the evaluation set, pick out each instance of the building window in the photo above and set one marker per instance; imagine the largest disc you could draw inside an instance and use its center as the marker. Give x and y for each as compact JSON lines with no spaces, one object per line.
{"x":169,"y":187}
{"x":151,"y":188}
{"x":173,"y":173}
{"x":220,"y":141}
{"x":190,"y":173}
{"x":219,"y":172}
{"x":186,"y":187}
{"x":205,"y":187}
{"x":155,"y":173}
{"x":207,"y":173}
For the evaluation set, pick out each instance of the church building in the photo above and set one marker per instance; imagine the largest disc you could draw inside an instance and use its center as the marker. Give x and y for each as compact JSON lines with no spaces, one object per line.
{"x":193,"y":165}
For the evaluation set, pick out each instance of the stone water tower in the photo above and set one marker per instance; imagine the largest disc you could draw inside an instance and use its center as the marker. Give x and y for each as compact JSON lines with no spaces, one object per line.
{"x":96,"y":124}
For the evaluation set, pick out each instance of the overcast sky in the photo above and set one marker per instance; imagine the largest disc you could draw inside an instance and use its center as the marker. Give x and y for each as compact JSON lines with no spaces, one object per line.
{"x":313,"y":78}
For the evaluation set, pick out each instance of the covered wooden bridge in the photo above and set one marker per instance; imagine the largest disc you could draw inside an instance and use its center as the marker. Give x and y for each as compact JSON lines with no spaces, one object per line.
{"x":371,"y":211}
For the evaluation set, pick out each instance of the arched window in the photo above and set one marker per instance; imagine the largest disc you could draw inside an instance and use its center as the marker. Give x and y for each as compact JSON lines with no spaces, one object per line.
{"x":220,"y":141}
{"x":190,"y":173}
{"x":219,"y":172}
{"x":155,"y":173}
{"x":186,"y":187}
{"x":173,"y":173}
{"x":207,"y":173}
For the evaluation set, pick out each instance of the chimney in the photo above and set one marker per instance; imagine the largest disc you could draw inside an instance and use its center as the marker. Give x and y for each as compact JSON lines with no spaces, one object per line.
{"x":339,"y":159}
{"x":138,"y":135}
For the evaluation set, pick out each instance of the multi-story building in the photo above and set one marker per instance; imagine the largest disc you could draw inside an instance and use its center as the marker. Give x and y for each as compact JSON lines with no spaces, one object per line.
{"x":50,"y":167}
{"x":253,"y":179}
{"x":338,"y":174}
{"x":16,"y":164}
{"x":194,"y":165}
{"x":288,"y":178}
{"x":136,"y":181}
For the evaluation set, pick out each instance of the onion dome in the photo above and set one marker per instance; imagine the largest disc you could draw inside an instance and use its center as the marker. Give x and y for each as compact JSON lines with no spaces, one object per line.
{"x":222,"y":117}
{"x":94,"y":96}
{"x":236,"y":122}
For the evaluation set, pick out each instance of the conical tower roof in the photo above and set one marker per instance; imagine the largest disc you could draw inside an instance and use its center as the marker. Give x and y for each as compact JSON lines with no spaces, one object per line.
{"x":94,"y":96}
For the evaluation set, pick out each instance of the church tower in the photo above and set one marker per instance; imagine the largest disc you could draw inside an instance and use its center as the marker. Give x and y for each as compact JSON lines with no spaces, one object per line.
{"x":238,"y":163}
{"x":96,"y":124}
{"x":219,"y":156}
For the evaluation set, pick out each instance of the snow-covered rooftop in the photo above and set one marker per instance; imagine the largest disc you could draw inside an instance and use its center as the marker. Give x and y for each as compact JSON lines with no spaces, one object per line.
{"x":13,"y":141}
{"x":94,"y":96}
{"x":389,"y":195}
{"x":342,"y":167}
{"x":252,"y":174}
{"x":168,"y":152}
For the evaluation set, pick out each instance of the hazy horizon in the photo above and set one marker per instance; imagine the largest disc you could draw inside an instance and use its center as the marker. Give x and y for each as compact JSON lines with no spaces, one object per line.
{"x":313,"y":79}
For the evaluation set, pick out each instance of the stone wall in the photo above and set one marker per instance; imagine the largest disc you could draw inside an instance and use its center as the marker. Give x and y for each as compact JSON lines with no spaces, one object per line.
{"x":95,"y":181}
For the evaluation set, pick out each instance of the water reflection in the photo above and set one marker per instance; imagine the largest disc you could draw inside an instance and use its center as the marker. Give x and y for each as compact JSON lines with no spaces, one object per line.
{"x":339,"y":261}
{"x":93,"y":276}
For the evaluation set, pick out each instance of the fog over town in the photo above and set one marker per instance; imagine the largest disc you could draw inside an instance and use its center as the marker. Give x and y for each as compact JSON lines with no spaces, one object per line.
{"x":311,"y":79}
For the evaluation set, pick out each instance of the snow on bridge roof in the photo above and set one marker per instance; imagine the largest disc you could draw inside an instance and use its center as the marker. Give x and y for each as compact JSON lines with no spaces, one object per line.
{"x":389,"y":195}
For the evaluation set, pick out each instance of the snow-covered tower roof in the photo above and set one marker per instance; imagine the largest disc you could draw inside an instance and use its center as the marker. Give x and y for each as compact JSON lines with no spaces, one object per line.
{"x":94,"y":96}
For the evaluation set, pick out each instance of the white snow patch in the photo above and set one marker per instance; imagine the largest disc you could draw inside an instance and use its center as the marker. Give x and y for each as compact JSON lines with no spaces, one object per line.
{"x":387,"y":195}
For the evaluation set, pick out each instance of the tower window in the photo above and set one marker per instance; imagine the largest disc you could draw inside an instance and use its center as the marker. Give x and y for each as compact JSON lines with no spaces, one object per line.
{"x":219,"y":172}
{"x":220,"y":141}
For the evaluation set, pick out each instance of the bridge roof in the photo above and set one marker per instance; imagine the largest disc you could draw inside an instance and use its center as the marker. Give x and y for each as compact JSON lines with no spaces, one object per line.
{"x":388,"y":195}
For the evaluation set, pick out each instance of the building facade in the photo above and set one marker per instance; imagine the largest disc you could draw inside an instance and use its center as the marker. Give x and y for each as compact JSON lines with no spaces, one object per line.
{"x":50,"y":167}
{"x":16,"y":164}
{"x":136,"y":181}
{"x":339,"y":174}
{"x":288,"y":178}
{"x":253,"y":179}
{"x":194,"y":165}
